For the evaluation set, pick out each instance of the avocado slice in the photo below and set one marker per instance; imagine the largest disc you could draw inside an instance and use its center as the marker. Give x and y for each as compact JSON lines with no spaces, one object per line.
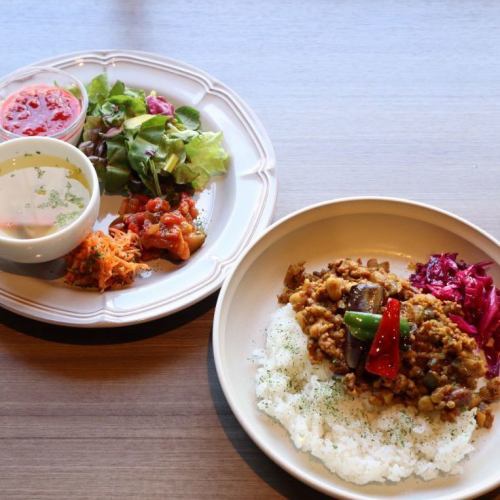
{"x":136,"y":121}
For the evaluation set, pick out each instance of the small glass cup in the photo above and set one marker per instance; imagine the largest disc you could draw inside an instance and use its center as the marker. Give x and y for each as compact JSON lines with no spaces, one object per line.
{"x":36,"y":75}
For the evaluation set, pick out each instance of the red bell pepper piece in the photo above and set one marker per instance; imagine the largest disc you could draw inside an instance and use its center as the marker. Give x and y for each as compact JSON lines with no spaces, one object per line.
{"x":383,"y":357}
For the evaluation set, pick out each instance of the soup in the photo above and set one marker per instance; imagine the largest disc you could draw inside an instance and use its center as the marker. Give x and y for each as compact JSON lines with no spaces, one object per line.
{"x":39,"y":195}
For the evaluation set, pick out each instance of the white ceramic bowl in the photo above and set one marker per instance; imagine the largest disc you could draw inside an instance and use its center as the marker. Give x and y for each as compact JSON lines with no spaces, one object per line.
{"x":390,"y":229}
{"x":61,"y":242}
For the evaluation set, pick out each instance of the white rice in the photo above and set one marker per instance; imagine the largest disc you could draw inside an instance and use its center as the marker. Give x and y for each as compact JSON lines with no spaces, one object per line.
{"x":357,"y":442}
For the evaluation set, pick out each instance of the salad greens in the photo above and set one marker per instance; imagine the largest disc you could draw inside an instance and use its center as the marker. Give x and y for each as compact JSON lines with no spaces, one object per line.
{"x":142,"y":144}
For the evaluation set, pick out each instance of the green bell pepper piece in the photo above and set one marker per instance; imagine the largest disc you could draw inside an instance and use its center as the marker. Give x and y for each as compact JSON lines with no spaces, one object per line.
{"x":363,"y":325}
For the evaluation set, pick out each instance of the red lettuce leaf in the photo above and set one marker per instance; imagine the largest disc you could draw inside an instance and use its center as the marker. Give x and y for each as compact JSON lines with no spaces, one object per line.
{"x":158,"y":105}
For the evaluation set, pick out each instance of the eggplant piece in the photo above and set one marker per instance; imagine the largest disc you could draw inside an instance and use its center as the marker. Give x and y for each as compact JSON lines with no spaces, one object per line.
{"x":366,"y":297}
{"x":355,"y":350}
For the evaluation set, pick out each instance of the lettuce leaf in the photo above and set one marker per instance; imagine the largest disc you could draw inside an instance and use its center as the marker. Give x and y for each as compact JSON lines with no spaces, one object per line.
{"x":207,"y":158}
{"x":112,"y":115}
{"x":133,"y":105}
{"x":157,"y":147}
{"x":116,"y":151}
{"x":115,"y":103}
{"x":91,"y":123}
{"x":117,"y":89}
{"x":147,"y":152}
{"x":153,"y":130}
{"x":189,"y":117}
{"x":184,"y":135}
{"x":98,"y":91}
{"x":185,"y":174}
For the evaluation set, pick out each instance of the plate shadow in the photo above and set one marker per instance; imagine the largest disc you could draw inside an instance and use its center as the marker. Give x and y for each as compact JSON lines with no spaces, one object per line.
{"x":105,"y":336}
{"x":258,"y":461}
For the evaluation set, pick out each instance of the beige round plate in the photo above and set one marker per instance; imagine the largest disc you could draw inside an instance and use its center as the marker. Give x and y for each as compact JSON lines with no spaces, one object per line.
{"x":234,"y":209}
{"x":396,"y":230}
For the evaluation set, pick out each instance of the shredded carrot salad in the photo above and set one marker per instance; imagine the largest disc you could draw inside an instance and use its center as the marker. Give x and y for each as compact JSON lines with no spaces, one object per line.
{"x":105,"y":262}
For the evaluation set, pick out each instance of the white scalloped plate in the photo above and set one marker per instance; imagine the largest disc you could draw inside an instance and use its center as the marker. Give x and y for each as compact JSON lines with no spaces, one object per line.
{"x":235,"y":208}
{"x":390,"y":229}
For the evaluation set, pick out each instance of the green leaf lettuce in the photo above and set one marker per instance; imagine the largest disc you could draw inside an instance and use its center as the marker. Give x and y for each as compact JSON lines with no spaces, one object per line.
{"x":189,"y":117}
{"x":207,"y":158}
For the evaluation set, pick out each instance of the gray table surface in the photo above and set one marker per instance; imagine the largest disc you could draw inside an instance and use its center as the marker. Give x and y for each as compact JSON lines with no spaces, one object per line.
{"x":394,"y":98}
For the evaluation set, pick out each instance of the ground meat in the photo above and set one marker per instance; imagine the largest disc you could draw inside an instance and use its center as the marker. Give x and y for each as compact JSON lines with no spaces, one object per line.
{"x":294,"y":277}
{"x":441,"y":366}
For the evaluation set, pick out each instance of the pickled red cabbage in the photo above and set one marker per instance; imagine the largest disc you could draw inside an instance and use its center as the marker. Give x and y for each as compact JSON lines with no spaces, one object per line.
{"x":447,"y":278}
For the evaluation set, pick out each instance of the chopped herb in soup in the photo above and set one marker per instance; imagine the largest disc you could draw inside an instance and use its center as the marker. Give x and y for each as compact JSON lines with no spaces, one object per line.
{"x":40,"y":194}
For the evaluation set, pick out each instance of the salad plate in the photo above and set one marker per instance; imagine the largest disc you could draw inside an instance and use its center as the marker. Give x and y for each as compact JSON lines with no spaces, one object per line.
{"x":388,"y":229}
{"x":233,"y":209}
